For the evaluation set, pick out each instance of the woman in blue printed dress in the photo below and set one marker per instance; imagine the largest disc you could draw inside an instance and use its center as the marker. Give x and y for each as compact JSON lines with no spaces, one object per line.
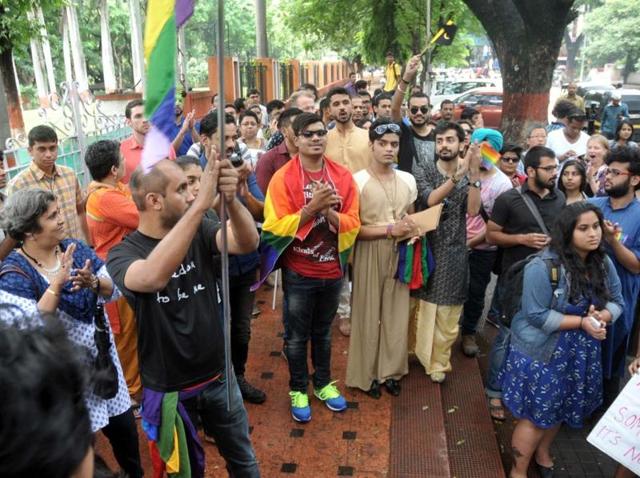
{"x":51,"y":275}
{"x":553,"y":372}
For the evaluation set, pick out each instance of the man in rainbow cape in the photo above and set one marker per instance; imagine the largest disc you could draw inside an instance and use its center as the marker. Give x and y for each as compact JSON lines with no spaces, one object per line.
{"x":311,"y":223}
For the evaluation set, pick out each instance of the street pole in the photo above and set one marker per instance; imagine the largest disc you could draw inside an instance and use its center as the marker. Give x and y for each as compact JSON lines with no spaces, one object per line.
{"x":226,"y":313}
{"x":262,"y":47}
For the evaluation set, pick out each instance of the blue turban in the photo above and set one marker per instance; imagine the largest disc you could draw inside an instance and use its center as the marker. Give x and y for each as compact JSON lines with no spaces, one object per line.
{"x":492,"y":136}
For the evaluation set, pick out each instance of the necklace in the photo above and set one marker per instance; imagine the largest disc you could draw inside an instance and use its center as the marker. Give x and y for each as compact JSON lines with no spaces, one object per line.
{"x":390,"y":200}
{"x":54,"y":270}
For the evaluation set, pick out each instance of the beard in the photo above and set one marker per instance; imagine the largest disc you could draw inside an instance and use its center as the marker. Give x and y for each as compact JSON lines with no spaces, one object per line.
{"x":543,"y":184}
{"x":343,"y":121}
{"x":620,"y":190}
{"x":449,"y":156}
{"x":422,"y":122}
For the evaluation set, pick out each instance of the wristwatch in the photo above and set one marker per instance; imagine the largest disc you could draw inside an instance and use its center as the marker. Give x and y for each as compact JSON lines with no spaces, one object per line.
{"x":476,"y":184}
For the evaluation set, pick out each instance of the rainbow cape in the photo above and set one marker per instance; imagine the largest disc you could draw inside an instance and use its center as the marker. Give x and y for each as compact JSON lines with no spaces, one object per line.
{"x":164,"y":17}
{"x":282,"y":213}
{"x":490,"y":156}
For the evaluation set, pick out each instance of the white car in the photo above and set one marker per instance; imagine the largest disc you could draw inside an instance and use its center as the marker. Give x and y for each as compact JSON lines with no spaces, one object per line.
{"x":451,"y":89}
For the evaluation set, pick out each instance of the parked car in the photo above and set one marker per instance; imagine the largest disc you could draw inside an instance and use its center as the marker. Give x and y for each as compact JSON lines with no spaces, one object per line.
{"x":450,"y":89}
{"x":587,"y":87}
{"x":597,"y":99}
{"x":486,"y":100}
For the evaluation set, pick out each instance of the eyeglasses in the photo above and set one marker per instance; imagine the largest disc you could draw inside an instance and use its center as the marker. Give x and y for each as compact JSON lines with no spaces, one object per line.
{"x":320,"y":133}
{"x":422,"y":109}
{"x":386,"y":128}
{"x":548,"y":169}
{"x":509,"y":160}
{"x":615,"y":173}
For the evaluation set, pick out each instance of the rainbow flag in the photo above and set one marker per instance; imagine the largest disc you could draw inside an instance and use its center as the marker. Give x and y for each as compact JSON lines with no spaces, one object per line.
{"x":164,"y":17}
{"x":620,"y":237}
{"x":490,"y":156}
{"x":283,"y":208}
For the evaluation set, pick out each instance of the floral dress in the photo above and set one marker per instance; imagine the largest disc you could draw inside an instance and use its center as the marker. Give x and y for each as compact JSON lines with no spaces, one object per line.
{"x":567,"y":389}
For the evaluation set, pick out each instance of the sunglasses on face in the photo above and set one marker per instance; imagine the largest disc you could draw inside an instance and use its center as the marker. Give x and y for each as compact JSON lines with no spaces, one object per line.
{"x":311,"y":133}
{"x":423,"y":109}
{"x":386,"y":128}
{"x":509,"y":160}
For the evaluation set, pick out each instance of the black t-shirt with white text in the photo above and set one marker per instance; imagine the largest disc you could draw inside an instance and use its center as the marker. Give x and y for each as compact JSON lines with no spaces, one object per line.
{"x":180,"y":334}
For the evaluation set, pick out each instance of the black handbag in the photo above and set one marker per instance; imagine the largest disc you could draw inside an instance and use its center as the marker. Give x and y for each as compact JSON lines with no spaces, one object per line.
{"x":105,"y":376}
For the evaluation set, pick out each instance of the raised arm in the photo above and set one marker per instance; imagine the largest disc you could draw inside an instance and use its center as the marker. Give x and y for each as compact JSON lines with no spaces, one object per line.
{"x":409,"y":75}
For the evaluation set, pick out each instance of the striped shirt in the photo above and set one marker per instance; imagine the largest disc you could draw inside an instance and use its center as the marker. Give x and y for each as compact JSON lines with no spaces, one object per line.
{"x":64,"y":185}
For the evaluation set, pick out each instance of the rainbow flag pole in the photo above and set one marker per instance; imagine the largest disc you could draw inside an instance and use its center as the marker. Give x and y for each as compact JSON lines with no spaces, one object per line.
{"x":164,"y":17}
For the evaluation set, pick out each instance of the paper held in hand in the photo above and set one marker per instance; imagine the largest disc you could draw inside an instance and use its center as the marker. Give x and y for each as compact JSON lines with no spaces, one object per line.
{"x":618,"y":432}
{"x":426,"y":220}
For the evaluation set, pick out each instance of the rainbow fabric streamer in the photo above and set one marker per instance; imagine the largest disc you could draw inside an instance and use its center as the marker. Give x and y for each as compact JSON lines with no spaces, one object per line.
{"x":283,"y":211}
{"x":490,"y":156}
{"x":415,"y":263}
{"x":164,"y":17}
{"x":620,"y":237}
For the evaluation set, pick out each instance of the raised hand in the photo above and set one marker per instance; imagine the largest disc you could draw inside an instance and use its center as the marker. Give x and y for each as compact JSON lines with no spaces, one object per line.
{"x":64,"y":274}
{"x":82,"y":278}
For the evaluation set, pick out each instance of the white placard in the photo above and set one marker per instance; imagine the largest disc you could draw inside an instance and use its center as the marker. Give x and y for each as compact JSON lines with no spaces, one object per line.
{"x":618,"y":432}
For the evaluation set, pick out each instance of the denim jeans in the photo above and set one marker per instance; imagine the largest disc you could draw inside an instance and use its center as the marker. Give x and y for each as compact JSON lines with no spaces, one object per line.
{"x":480,"y":265}
{"x":310,"y":306}
{"x":230,"y":429}
{"x":497,"y":358}
{"x":241,"y":304}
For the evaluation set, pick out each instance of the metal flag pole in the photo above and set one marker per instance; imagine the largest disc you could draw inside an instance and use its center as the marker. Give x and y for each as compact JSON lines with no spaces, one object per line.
{"x":226,"y":313}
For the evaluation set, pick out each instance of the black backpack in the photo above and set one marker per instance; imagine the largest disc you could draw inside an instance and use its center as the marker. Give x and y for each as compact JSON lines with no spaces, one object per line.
{"x":511,"y":294}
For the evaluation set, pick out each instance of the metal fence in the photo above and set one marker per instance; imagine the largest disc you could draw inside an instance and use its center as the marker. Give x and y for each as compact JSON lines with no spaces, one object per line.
{"x":252,"y":75}
{"x":78,"y":122}
{"x":287,"y":86}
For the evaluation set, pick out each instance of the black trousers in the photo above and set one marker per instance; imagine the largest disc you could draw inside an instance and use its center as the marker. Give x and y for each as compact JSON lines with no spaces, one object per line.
{"x":122,"y":433}
{"x":241,"y":299}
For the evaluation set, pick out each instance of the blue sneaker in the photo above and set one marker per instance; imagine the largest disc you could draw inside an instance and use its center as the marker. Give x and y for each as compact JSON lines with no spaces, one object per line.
{"x":331,"y":397}
{"x":300,"y":409}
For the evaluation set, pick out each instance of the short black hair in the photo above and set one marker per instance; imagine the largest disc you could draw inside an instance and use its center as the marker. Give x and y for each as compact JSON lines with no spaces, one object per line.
{"x":419,"y":94}
{"x":511,"y":148}
{"x":42,"y":134}
{"x":286,"y":117}
{"x":467,"y":122}
{"x":446,"y":102}
{"x":239,"y":104}
{"x":250,"y":114}
{"x":324,"y":104}
{"x":274,"y":105}
{"x":381,"y":122}
{"x":364,"y":93}
{"x":535,"y":154}
{"x":627,"y":155}
{"x":450,"y":125}
{"x":303,"y":120}
{"x":231,"y":105}
{"x":46,"y":429}
{"x":382,"y":96}
{"x":338,"y":90}
{"x":185,"y":160}
{"x":253,"y":91}
{"x":361,"y":84}
{"x":132,"y":104}
{"x":209,"y":124}
{"x":562,"y":109}
{"x":468,"y":113}
{"x":101,"y":156}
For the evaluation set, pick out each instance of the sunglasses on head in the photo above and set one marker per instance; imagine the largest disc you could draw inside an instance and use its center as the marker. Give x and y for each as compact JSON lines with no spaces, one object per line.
{"x":386,"y":128}
{"x":422,"y":109}
{"x":311,"y":133}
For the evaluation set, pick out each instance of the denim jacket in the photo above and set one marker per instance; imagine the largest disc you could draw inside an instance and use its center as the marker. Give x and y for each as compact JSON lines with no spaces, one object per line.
{"x":535,"y":328}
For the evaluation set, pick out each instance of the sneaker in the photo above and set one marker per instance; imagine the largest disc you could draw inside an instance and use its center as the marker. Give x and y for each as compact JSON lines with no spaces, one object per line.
{"x":250,"y":393}
{"x":331,"y":397}
{"x":469,"y":345}
{"x":300,"y":409}
{"x":438,"y":377}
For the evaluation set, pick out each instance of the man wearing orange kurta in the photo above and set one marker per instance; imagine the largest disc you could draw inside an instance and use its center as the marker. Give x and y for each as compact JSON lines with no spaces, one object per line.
{"x":111,"y":215}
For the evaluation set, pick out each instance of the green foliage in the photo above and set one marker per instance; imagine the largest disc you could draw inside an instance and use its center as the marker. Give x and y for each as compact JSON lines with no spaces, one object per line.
{"x":612,"y":34}
{"x":15,"y":27}
{"x":371,"y":27}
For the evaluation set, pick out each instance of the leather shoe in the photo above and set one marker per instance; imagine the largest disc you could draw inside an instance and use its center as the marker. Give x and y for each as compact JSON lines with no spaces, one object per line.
{"x":374,"y":391}
{"x":469,"y":345}
{"x":544,"y":471}
{"x":392,"y":386}
{"x":250,"y":393}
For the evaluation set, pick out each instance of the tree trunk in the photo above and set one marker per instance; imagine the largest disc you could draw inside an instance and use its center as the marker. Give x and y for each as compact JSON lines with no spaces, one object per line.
{"x":46,"y":49}
{"x":66,"y":51}
{"x":573,"y":47}
{"x":10,"y":85}
{"x":108,"y":69}
{"x":262,"y":48}
{"x":137,"y":52}
{"x":77,"y":54}
{"x":526,"y":36}
{"x":41,"y":86}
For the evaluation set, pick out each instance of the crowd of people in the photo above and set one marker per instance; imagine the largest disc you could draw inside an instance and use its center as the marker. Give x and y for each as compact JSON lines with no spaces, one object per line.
{"x":326,"y":190}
